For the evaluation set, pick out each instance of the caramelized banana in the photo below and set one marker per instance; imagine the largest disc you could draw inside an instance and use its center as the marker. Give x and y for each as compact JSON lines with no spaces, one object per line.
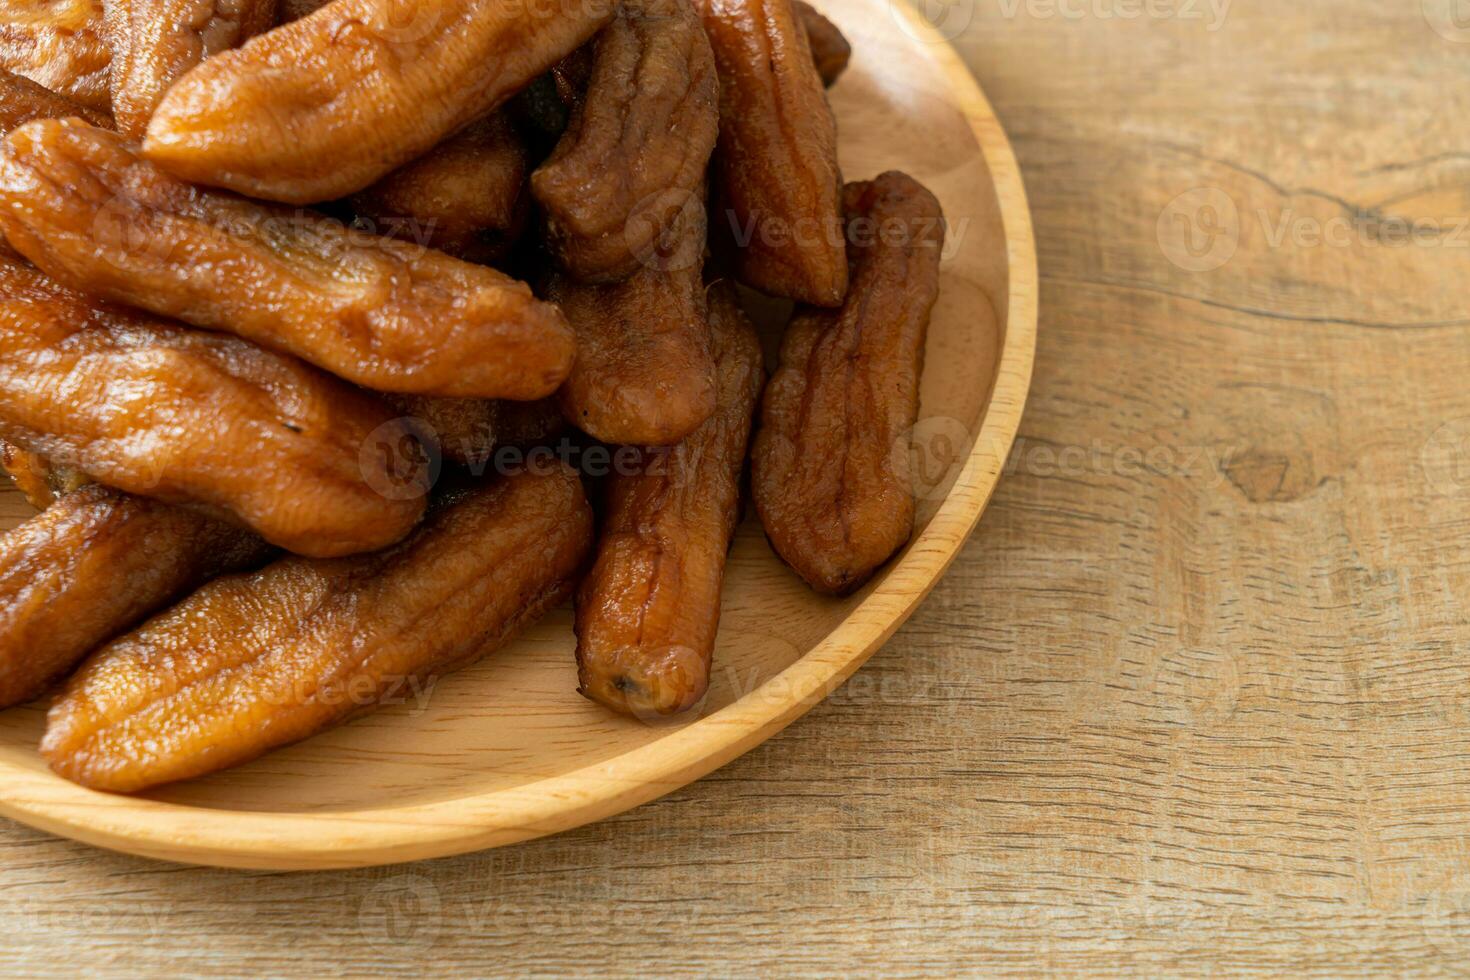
{"x":638,"y":144}
{"x":324,"y":106}
{"x":648,"y":612}
{"x":22,"y":100}
{"x":465,"y":197}
{"x":154,"y":42}
{"x":830,"y":468}
{"x":36,"y":478}
{"x":253,"y":662}
{"x":57,"y":44}
{"x":93,"y":565}
{"x":80,"y":203}
{"x":779,"y":188}
{"x":644,"y":375}
{"x":159,"y":410}
{"x":830,"y":50}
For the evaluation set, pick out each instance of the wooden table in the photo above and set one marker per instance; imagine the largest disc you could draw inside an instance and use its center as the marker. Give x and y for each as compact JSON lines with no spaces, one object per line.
{"x":1195,"y":697}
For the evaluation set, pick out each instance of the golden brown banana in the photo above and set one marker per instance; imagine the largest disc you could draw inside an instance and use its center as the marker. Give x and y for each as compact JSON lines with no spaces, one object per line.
{"x":253,"y":662}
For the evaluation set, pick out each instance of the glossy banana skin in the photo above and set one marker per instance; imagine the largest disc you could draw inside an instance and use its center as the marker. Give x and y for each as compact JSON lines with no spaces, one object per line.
{"x":778,"y":186}
{"x":154,"y":42}
{"x":830,"y":466}
{"x":636,"y":150}
{"x":830,"y":50}
{"x":388,"y":315}
{"x":648,"y":611}
{"x":465,"y":197}
{"x":57,"y":44}
{"x":644,"y":374}
{"x":22,"y":100}
{"x":157,"y":409}
{"x":91,"y":566}
{"x":253,"y":662}
{"x":321,"y":107}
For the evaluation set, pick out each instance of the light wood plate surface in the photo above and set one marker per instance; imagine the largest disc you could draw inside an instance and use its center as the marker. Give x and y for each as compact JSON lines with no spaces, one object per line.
{"x":507,"y":750}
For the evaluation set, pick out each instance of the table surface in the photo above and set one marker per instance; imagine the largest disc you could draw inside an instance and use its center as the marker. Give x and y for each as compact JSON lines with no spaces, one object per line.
{"x":1195,"y":696}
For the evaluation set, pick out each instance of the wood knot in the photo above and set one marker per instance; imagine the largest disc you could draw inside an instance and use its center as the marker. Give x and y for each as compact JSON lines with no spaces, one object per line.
{"x":1270,"y":476}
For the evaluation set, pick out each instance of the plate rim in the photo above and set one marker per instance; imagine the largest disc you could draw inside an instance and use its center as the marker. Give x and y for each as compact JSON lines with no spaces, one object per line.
{"x":316,"y":840}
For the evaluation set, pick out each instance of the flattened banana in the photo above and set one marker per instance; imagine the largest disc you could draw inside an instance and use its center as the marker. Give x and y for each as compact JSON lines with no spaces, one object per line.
{"x":253,"y":662}
{"x":648,"y":611}
{"x":157,"y":409}
{"x":91,"y":566}
{"x":80,"y":203}
{"x":321,"y":107}
{"x":830,"y":467}
{"x":638,"y":144}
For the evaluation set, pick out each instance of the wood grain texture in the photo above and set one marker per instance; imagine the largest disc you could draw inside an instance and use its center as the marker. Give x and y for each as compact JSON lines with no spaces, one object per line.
{"x":1191,"y":714}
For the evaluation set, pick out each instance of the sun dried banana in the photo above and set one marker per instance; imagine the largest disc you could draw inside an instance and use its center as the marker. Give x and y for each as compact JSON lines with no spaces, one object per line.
{"x":465,"y":197}
{"x":830,"y":50}
{"x":157,"y":409}
{"x":80,"y":203}
{"x":467,"y":431}
{"x":644,"y":375}
{"x":636,"y":149}
{"x":289,"y":10}
{"x":830,"y":467}
{"x":94,"y":564}
{"x":38,"y":480}
{"x":22,"y":100}
{"x":778,"y":185}
{"x":648,"y":611}
{"x":253,"y":662}
{"x":57,"y":44}
{"x":321,"y":107}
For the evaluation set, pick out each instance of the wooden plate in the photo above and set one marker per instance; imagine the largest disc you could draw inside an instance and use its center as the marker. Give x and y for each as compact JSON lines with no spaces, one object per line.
{"x":507,"y":750}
